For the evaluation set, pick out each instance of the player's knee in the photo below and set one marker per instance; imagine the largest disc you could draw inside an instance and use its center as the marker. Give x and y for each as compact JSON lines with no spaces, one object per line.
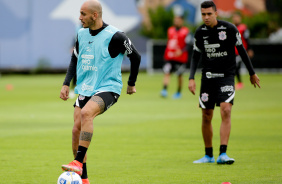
{"x":207,"y":117}
{"x":85,"y":114}
{"x":76,"y":130}
{"x":226,"y":111}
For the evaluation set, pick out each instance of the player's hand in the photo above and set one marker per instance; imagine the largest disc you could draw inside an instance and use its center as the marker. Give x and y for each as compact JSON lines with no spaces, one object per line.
{"x":178,"y":52}
{"x":250,"y":53}
{"x":255,"y":80}
{"x":192,"y":86}
{"x":131,"y":90}
{"x":64,"y":95}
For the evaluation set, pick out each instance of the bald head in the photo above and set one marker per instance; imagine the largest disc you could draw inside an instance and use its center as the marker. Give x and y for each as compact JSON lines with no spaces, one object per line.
{"x":93,"y":6}
{"x":91,"y":14}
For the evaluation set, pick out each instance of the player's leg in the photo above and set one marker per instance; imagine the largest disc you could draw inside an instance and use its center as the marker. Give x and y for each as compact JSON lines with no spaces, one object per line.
{"x":207,"y":102}
{"x":75,"y":140}
{"x":226,"y":97}
{"x":240,"y":84}
{"x":225,"y":128}
{"x":93,"y":107}
{"x":207,"y":130}
{"x":207,"y":133}
{"x":167,"y":71}
{"x":180,"y":68}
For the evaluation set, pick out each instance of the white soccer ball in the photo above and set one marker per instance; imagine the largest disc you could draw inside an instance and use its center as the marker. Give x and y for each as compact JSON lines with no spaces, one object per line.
{"x":69,"y":178}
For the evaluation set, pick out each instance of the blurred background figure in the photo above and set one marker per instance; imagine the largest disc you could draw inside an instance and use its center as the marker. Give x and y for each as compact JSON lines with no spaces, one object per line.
{"x":245,"y":35}
{"x":176,"y":54}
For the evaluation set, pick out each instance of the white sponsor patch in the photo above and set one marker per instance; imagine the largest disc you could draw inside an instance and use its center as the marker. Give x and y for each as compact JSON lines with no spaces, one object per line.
{"x":86,"y":87}
{"x":217,"y":54}
{"x":227,"y":89}
{"x":85,"y":56}
{"x":239,"y":39}
{"x":221,"y":27}
{"x":89,"y":67}
{"x":128,"y":46}
{"x":214,"y":75}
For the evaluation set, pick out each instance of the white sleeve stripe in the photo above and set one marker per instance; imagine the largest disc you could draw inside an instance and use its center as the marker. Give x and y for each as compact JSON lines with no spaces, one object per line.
{"x":230,"y":98}
{"x":74,"y":51}
{"x":201,"y":103}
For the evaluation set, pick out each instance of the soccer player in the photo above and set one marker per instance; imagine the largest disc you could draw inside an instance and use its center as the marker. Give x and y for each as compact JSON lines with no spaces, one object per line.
{"x":96,"y":60}
{"x":214,"y":41}
{"x":176,"y":54}
{"x":245,"y":34}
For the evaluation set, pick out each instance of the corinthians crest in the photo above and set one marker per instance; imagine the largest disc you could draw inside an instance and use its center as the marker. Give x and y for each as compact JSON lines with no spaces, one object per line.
{"x":205,"y":97}
{"x":222,"y":35}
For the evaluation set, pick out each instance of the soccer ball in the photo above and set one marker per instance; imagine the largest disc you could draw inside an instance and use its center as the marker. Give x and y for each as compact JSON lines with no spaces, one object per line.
{"x":69,"y":178}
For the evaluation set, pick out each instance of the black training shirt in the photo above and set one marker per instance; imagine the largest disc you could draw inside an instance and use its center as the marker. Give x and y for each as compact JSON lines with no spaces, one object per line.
{"x":217,"y":47}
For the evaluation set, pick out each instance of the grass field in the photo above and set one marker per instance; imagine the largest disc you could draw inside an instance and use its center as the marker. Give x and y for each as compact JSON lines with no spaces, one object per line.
{"x":141,"y":139}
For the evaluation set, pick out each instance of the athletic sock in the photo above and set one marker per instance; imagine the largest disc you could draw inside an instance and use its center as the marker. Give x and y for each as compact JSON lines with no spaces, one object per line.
{"x":81,"y":153}
{"x":222,"y":149}
{"x":165,"y":87}
{"x":84,"y":172}
{"x":209,"y":151}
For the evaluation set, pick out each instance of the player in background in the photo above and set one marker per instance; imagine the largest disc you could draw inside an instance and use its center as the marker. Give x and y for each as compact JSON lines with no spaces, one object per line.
{"x":96,"y":61}
{"x":245,"y":35}
{"x":214,"y":42}
{"x":176,"y":54}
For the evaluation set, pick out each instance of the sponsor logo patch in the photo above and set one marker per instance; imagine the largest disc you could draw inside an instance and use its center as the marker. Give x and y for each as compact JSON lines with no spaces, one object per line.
{"x":227,"y":89}
{"x":128,"y":46}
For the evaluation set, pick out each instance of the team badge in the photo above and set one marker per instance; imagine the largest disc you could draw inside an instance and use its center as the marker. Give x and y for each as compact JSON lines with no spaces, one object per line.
{"x":81,"y":97}
{"x":205,"y":97}
{"x":222,"y":35}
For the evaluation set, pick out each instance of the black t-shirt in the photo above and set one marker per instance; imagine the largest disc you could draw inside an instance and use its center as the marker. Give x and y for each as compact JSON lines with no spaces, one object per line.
{"x":217,"y":47}
{"x":119,"y":43}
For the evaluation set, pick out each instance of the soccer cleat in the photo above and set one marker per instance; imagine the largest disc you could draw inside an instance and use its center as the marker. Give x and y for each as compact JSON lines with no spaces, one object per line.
{"x":74,"y":166}
{"x":177,"y":95}
{"x":85,"y":181}
{"x":224,"y":159}
{"x":164,"y":93}
{"x":205,"y":159}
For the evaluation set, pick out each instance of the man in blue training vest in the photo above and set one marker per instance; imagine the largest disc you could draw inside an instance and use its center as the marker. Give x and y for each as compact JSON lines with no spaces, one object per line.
{"x":96,"y":60}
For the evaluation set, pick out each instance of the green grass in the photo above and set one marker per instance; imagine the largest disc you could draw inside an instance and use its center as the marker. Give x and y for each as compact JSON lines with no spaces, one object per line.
{"x":141,"y":139}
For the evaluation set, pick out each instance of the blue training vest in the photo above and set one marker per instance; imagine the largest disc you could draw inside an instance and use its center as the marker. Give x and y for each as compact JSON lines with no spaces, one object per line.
{"x":96,"y":70}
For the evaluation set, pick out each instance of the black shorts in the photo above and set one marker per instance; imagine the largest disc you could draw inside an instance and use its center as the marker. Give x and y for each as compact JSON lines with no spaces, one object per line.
{"x":174,"y":66}
{"x":215,"y":91}
{"x":109,"y":99}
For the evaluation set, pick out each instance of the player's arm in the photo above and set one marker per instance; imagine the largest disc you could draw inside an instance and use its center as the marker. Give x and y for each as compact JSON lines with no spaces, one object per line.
{"x":246,"y":35}
{"x":193,"y":66}
{"x":245,"y":58}
{"x":70,"y":74}
{"x":120,"y":43}
{"x":189,"y":42}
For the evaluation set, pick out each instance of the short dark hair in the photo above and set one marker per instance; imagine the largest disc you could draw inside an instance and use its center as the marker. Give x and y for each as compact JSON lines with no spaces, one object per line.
{"x":208,"y":4}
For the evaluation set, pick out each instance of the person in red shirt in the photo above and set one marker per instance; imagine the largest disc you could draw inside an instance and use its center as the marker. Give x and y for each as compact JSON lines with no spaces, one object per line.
{"x":245,"y":34}
{"x":176,"y":54}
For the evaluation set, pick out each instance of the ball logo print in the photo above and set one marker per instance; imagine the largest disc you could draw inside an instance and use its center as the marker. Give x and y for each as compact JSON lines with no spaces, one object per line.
{"x":69,"y":178}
